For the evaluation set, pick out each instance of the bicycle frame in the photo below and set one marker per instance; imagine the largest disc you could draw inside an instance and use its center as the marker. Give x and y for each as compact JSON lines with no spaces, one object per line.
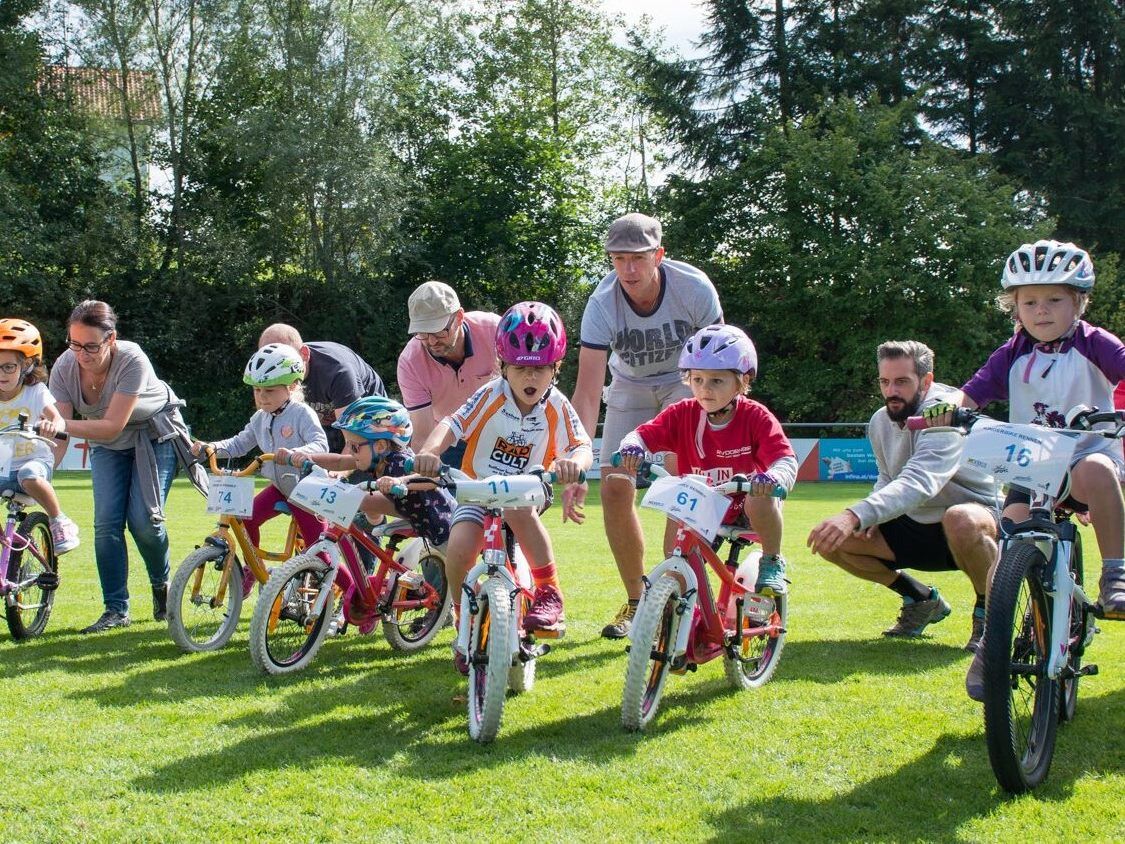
{"x":704,"y":641}
{"x":494,"y":562}
{"x":1055,"y":540}
{"x":253,"y":556}
{"x":12,"y":541}
{"x":363,"y":593}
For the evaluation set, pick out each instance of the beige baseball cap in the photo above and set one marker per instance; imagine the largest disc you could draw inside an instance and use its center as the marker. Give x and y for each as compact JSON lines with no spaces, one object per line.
{"x":431,"y":306}
{"x":633,"y":233}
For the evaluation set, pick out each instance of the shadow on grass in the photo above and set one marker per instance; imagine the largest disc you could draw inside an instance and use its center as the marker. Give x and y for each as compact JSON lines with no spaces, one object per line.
{"x":832,"y":661}
{"x":103,"y":653}
{"x":882,"y":809}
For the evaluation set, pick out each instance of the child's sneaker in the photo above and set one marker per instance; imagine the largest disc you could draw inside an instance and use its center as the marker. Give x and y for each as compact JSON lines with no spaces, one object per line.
{"x":248,"y":581}
{"x":64,"y":534}
{"x":771,"y":575}
{"x":1111,"y":599}
{"x":546,"y":611}
{"x":916,"y":616}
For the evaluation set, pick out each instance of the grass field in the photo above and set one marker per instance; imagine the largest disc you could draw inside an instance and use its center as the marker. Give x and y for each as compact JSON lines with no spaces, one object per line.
{"x":119,"y":737}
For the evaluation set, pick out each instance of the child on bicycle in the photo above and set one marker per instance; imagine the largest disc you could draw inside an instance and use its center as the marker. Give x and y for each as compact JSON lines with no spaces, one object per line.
{"x":377,"y":433}
{"x":282,"y":421}
{"x":720,"y":432}
{"x":23,"y":389}
{"x":510,"y":425}
{"x":1054,"y":362}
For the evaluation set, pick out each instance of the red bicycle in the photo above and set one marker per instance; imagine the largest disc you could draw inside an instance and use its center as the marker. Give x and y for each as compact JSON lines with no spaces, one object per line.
{"x":679,"y":623}
{"x":407,"y":593}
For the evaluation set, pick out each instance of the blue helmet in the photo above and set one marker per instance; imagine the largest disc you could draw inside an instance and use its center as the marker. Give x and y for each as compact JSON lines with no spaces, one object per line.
{"x":377,"y":418}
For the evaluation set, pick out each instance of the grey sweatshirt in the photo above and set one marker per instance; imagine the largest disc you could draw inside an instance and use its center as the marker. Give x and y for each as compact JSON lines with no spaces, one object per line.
{"x":919,"y":471}
{"x":296,"y":427}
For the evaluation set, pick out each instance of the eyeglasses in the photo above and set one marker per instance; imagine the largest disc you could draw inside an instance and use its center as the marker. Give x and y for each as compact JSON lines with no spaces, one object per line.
{"x":88,"y":348}
{"x":438,"y":335}
{"x":9,"y":368}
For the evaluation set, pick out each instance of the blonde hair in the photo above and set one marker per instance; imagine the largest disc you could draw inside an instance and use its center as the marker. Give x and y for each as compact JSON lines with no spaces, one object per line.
{"x":1007,"y":300}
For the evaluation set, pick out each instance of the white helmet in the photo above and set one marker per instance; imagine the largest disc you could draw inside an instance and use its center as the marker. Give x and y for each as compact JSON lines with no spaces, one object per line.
{"x":1049,"y":262}
{"x":274,"y":365}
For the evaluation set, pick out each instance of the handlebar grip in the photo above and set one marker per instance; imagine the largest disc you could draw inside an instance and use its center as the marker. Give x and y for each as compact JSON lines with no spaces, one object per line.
{"x":61,"y":435}
{"x":916,"y":423}
{"x":780,"y":492}
{"x":408,"y":464}
{"x":399,"y":490}
{"x":553,"y":477}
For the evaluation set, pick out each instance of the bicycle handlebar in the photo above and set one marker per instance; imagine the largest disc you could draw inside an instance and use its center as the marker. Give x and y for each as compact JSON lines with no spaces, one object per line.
{"x":250,"y":469}
{"x":21,"y":428}
{"x":444,"y":481}
{"x":738,"y":483}
{"x":1080,"y":418}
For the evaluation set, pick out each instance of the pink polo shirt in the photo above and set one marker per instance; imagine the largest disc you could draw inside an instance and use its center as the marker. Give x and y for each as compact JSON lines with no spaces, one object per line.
{"x":426,"y":381}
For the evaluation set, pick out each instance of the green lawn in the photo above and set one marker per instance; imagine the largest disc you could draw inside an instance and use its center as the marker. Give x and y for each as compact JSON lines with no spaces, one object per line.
{"x":119,"y":737}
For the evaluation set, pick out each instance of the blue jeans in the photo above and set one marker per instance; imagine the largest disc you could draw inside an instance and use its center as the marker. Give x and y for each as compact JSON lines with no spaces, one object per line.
{"x":117,"y":503}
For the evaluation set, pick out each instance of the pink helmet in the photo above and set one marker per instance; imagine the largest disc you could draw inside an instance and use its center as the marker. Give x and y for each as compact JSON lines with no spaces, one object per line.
{"x":719,"y":347}
{"x":530,"y":334}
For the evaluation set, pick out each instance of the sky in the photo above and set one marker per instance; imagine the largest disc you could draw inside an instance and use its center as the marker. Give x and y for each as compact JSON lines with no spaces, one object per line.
{"x":682,"y":20}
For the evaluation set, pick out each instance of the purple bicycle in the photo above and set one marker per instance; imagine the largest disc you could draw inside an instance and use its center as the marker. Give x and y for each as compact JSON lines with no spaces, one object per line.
{"x":29,"y":569}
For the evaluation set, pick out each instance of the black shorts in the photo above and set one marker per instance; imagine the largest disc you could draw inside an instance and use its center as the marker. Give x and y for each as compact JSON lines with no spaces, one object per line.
{"x":917,"y":545}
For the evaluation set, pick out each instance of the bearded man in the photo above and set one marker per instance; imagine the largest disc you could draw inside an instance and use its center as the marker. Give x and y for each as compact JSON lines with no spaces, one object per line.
{"x":925,"y":512}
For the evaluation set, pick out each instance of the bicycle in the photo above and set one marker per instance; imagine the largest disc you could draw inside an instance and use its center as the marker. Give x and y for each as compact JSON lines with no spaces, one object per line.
{"x":407,"y":591}
{"x":496,"y":594}
{"x":206,"y":593}
{"x":1039,"y":620}
{"x":29,"y":567}
{"x":747,"y":629}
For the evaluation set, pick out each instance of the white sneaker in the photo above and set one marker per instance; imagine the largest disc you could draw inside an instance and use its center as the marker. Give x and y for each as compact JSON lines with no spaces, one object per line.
{"x":64,"y":534}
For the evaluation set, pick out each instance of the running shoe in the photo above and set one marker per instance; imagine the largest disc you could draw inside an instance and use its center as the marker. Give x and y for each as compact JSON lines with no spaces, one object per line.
{"x":64,"y":534}
{"x":978,"y":630}
{"x":915,"y":616}
{"x":1111,"y":600}
{"x":619,"y":627}
{"x":546,"y":611}
{"x":771,"y":575}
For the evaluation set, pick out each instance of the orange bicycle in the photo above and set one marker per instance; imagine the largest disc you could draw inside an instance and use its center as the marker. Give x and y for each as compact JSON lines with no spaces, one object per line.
{"x":206,"y":594}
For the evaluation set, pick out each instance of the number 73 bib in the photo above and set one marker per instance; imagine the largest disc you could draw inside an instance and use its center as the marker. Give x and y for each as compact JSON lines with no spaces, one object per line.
{"x":689,"y":500}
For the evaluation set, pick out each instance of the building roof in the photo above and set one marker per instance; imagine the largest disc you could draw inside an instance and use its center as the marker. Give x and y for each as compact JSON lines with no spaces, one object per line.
{"x":99,"y":91}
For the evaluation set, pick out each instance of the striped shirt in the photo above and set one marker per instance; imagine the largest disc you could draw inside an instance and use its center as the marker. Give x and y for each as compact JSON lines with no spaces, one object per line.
{"x":500,"y":440}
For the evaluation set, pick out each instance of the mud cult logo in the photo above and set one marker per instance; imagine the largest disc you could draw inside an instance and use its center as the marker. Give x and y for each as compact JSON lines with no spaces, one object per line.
{"x":509,"y":454}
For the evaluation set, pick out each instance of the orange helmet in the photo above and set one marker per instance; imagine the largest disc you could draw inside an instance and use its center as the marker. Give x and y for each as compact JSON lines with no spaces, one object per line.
{"x":19,"y":335}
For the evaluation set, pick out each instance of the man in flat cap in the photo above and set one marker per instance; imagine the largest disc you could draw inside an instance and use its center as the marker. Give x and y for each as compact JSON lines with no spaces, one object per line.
{"x":635,"y":323}
{"x":451,"y":354}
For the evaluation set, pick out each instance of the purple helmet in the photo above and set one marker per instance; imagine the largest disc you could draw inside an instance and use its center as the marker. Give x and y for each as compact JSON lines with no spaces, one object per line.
{"x":530,"y":334}
{"x":719,"y":347}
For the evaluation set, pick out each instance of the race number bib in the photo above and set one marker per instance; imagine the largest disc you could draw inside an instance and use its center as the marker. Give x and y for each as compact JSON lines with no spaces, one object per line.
{"x":1028,"y":456}
{"x":5,"y":457}
{"x":228,"y":496}
{"x":502,"y":491}
{"x":333,"y":500}
{"x":689,"y":500}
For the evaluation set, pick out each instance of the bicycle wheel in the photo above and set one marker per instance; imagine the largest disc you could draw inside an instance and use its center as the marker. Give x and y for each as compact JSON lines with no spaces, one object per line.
{"x":27,"y":612}
{"x":197,"y":620}
{"x":284,"y":636}
{"x":413,"y":629}
{"x":1020,"y":702}
{"x":1080,"y":617}
{"x":759,"y":654}
{"x":489,"y":660}
{"x":655,"y":628}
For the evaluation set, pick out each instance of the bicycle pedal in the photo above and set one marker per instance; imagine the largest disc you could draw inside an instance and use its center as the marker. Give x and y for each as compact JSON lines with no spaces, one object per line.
{"x":530,"y":652}
{"x":548,"y":632}
{"x":47,"y":581}
{"x":1088,"y":670}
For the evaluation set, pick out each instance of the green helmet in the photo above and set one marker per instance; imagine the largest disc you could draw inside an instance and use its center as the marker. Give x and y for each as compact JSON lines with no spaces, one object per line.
{"x":274,"y":365}
{"x":377,"y":418}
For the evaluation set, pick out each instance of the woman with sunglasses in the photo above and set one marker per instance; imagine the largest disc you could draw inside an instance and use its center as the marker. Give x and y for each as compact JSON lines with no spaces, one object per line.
{"x":107,"y":393}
